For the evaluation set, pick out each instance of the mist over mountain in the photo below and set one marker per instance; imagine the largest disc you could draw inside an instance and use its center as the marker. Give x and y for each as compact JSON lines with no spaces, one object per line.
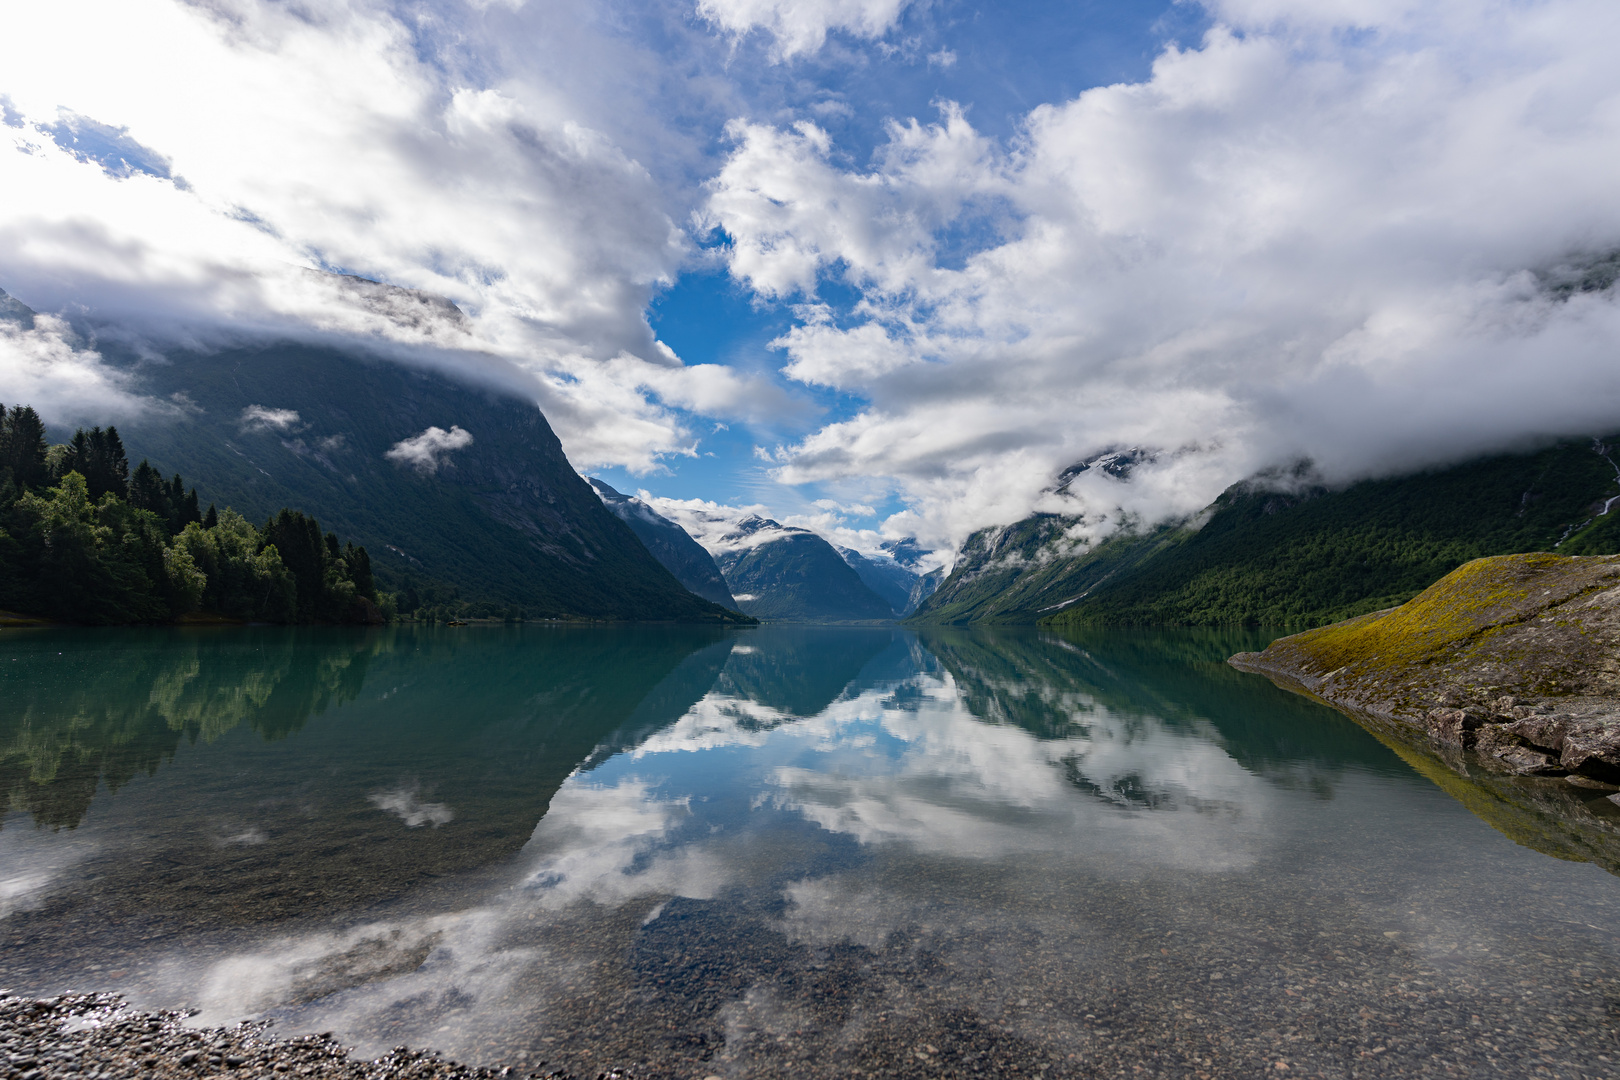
{"x":1284,"y":549}
{"x":462,"y":490}
{"x":846,"y":265}
{"x":789,"y":574}
{"x":885,"y":576}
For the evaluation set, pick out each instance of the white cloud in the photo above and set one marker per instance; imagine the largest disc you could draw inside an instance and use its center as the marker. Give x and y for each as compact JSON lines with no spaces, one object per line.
{"x":408,"y":146}
{"x":49,"y":367}
{"x":715,"y":525}
{"x":429,"y":450}
{"x":260,"y":418}
{"x":1290,"y":240}
{"x":798,"y":27}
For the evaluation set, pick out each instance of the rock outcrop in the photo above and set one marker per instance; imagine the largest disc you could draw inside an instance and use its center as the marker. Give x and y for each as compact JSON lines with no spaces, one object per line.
{"x":1515,"y":658}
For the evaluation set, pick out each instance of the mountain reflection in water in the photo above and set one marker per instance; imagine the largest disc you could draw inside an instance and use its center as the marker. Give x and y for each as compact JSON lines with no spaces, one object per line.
{"x":788,"y":851}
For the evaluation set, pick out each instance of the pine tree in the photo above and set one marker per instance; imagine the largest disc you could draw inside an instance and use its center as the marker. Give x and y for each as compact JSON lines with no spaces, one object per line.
{"x":147,"y":491}
{"x":297,"y":539}
{"x":22,"y":446}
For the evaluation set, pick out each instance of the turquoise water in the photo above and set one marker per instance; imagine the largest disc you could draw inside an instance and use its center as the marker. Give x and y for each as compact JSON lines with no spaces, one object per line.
{"x":788,"y":851}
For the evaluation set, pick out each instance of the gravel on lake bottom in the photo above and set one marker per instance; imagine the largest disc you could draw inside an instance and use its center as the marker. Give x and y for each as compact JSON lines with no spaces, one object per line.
{"x":98,"y":1037}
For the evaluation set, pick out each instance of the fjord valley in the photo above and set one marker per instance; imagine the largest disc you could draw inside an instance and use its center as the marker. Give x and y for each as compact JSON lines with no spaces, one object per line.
{"x":809,"y":540}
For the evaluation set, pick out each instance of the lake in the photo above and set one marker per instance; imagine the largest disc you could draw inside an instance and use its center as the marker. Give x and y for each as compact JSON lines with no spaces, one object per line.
{"x":783,"y":852}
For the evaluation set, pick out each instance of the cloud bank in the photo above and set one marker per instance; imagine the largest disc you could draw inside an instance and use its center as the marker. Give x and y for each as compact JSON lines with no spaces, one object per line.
{"x":185,"y":165}
{"x":1322,"y":231}
{"x":1315,"y":234}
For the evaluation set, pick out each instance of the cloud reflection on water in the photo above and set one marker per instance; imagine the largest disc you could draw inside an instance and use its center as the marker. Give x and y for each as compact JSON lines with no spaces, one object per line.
{"x":716,"y":804}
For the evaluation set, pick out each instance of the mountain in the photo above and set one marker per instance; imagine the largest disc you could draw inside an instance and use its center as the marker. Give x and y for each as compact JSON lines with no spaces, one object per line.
{"x":460,"y":491}
{"x":885,"y":576}
{"x":790,"y":574}
{"x":1281,"y":551}
{"x":669,"y":543}
{"x":909,"y":554}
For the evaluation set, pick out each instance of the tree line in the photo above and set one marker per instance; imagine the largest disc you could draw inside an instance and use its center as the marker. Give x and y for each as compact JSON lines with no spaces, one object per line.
{"x":84,"y":539}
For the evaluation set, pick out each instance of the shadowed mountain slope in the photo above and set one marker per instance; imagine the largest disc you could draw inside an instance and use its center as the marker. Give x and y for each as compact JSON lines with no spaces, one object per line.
{"x":451,"y":486}
{"x":670,"y":544}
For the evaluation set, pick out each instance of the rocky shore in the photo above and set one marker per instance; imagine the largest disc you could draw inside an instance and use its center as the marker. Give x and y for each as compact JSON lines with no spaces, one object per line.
{"x":1514,"y":658}
{"x":98,"y":1037}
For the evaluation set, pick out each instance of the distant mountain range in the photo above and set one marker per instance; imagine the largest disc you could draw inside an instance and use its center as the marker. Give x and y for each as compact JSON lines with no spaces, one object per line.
{"x":780,"y":572}
{"x":670,"y":544}
{"x":460,"y":491}
{"x":1281,"y":551}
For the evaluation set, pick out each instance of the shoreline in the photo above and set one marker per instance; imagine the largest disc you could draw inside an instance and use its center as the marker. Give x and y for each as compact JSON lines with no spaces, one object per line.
{"x":100,"y":1037}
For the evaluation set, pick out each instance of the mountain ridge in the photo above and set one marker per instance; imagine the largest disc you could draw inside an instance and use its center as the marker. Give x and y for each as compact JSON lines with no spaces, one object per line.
{"x":1278,"y":551}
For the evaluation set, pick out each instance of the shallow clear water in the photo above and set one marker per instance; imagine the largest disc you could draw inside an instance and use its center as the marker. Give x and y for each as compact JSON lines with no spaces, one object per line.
{"x":789,"y":851}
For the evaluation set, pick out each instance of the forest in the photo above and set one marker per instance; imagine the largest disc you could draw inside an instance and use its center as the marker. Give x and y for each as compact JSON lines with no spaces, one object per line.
{"x":84,"y":539}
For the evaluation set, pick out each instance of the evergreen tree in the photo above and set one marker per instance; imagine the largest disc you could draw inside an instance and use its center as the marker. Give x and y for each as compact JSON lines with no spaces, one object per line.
{"x":98,"y":456}
{"x":212,"y":517}
{"x":111,"y":464}
{"x":22,"y":446}
{"x":297,"y":539}
{"x":147,"y":491}
{"x":359,"y":564}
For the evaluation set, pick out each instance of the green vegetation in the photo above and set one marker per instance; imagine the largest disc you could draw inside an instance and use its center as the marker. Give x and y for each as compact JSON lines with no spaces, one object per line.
{"x":1281,"y":553}
{"x":82,"y":540}
{"x":1508,"y":624}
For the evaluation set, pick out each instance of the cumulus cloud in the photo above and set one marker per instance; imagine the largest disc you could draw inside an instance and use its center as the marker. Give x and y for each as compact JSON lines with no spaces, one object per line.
{"x":1315,"y":234}
{"x":260,"y":418}
{"x":429,"y":450}
{"x":799,"y":27}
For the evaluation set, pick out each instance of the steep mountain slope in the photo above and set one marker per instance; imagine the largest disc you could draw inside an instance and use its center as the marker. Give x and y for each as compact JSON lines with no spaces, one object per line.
{"x":782,"y":573}
{"x":454,"y":488}
{"x":884,"y":576}
{"x":1263,"y":556}
{"x":670,"y":544}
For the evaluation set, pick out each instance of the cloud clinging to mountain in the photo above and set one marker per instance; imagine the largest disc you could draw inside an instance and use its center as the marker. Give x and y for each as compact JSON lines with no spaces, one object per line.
{"x":1293,"y":240}
{"x":1317,"y":230}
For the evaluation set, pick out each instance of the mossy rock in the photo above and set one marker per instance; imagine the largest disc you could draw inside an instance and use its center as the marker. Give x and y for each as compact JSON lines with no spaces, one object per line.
{"x":1537,"y":625}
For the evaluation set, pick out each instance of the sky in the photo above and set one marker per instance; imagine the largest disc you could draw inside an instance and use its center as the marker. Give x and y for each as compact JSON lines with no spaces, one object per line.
{"x":876,"y":267}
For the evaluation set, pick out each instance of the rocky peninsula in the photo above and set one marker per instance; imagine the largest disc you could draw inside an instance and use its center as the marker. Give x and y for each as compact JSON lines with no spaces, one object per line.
{"x":1515,"y":657}
{"x":1500,"y":683}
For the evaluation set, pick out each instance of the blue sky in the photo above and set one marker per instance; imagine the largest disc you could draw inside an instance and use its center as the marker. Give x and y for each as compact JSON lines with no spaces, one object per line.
{"x":878,"y":267}
{"x":998,"y":61}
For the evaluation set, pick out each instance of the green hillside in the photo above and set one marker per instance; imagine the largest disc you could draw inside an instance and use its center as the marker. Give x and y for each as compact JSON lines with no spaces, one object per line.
{"x":1306,"y":558}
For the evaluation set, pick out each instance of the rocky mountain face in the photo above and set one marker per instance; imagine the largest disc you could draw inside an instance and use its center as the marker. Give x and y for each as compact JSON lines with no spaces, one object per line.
{"x":455,"y":488}
{"x":670,"y":544}
{"x":788,"y":574}
{"x":1279,"y":551}
{"x":884,"y":576}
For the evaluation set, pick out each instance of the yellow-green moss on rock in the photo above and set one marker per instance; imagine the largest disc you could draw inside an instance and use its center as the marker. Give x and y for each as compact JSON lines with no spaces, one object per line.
{"x":1529,"y":626}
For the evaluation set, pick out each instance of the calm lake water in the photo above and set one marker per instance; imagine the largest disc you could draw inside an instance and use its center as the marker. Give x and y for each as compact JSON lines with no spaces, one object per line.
{"x":790,"y":851}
